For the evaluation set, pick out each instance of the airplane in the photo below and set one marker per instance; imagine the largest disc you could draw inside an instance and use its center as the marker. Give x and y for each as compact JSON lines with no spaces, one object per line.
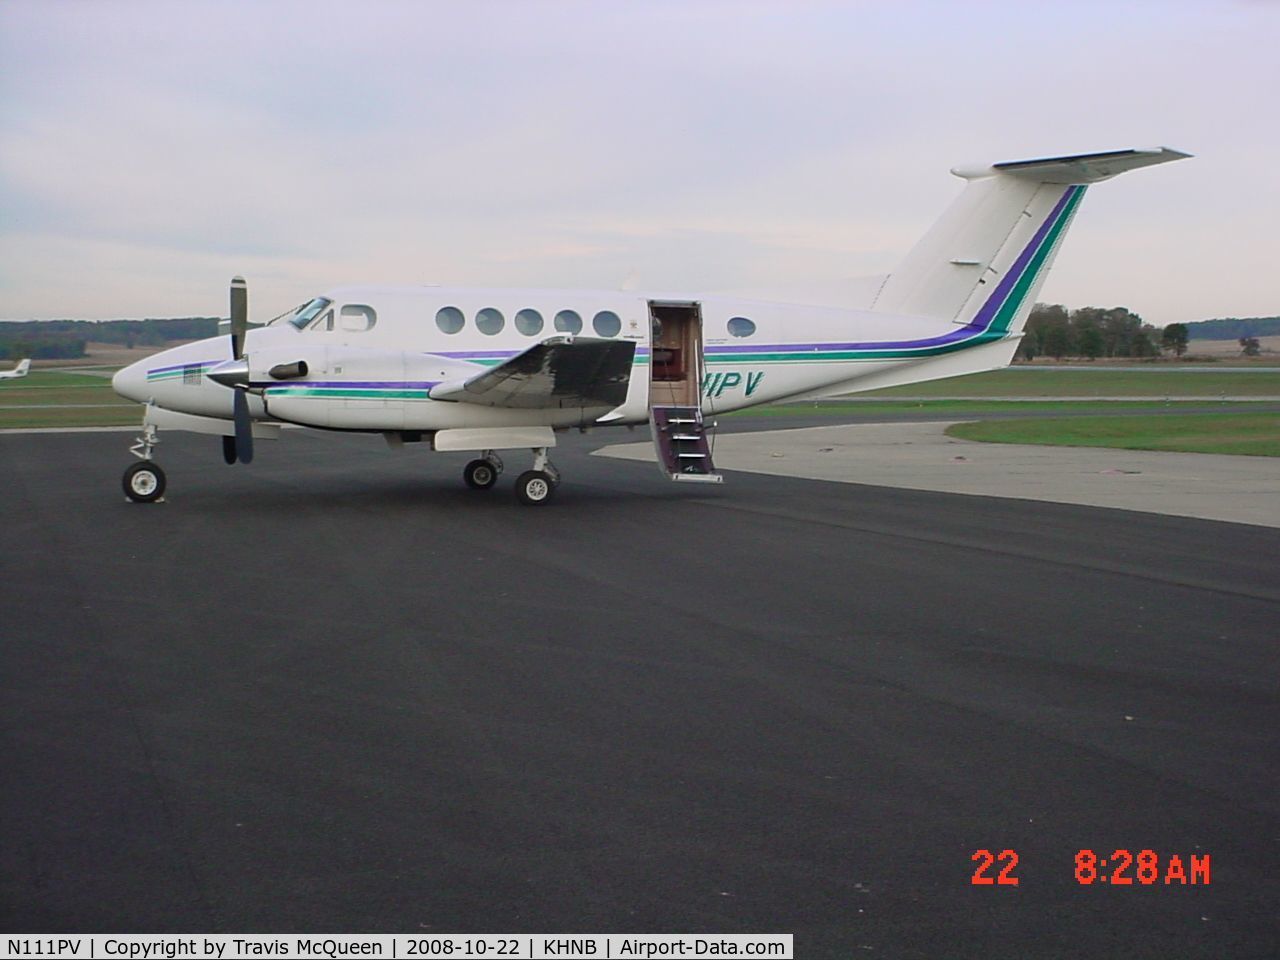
{"x":484,"y":370}
{"x":19,"y":371}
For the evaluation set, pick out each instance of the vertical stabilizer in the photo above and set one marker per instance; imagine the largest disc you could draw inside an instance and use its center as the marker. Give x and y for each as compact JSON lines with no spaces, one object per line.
{"x":984,"y":261}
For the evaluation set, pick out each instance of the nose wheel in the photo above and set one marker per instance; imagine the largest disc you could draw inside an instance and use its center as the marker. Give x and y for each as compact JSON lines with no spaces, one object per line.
{"x":144,"y":482}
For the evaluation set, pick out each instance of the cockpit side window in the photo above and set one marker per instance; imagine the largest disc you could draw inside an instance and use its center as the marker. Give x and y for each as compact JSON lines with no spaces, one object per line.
{"x":323,"y":322}
{"x":303,"y":316}
{"x":357,"y":317}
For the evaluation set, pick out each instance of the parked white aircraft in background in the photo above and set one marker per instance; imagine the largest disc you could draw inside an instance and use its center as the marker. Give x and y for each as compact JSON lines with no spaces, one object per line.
{"x":19,"y":371}
{"x":491,"y":369}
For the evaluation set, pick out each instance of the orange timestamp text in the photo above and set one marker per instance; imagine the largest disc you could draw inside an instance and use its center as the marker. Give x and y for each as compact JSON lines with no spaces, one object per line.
{"x":1122,"y":868}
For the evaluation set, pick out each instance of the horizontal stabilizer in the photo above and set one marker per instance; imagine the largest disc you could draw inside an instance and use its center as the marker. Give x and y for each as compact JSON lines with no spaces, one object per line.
{"x":556,"y":373}
{"x":1078,"y":168}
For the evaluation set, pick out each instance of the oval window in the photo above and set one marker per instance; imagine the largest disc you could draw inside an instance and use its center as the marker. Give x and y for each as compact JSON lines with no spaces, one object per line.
{"x":607,"y":324}
{"x":568,"y":321}
{"x":741,"y":327}
{"x":357,"y":318}
{"x":490,"y":321}
{"x":529,"y":322}
{"x":450,"y":319}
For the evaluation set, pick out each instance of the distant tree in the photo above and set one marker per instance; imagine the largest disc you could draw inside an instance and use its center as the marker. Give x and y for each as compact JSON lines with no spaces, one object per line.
{"x":1092,"y":343}
{"x":1143,"y":345}
{"x":1250,"y":346}
{"x":1174,"y":337}
{"x":1057,"y":341}
{"x":1049,"y":329}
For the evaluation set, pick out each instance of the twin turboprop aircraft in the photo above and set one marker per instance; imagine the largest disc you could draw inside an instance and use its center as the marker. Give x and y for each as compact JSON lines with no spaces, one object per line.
{"x":486,"y":369}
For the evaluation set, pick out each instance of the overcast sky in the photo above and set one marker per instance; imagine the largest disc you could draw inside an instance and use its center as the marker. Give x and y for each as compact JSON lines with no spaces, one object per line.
{"x":149,"y":151}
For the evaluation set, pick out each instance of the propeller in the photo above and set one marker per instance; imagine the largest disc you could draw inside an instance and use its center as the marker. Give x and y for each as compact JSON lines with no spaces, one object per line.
{"x":240,"y":408}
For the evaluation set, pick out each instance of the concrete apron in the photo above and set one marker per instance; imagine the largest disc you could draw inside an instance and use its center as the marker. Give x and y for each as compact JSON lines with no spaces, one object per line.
{"x":919,"y":456}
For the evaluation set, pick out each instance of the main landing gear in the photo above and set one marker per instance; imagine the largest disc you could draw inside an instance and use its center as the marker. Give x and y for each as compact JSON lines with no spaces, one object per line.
{"x":144,"y":481}
{"x":532,"y":487}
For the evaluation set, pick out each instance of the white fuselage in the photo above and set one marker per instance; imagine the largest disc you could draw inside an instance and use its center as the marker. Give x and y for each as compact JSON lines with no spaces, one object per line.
{"x":374,"y":354}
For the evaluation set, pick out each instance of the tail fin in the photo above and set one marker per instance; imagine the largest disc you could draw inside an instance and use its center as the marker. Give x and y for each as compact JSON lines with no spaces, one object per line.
{"x":984,"y":261}
{"x":23,"y":367}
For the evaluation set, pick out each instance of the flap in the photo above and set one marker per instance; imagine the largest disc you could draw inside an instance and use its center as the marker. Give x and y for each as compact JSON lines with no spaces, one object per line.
{"x":558,"y":372}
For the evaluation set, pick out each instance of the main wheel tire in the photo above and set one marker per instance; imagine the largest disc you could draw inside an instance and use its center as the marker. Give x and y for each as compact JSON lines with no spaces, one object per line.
{"x":144,"y":482}
{"x":480,"y":475}
{"x":534,"y":487}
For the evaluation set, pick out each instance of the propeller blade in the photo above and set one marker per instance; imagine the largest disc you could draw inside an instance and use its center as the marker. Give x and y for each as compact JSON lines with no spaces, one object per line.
{"x":239,"y":316}
{"x":229,"y":449}
{"x":244,"y":427}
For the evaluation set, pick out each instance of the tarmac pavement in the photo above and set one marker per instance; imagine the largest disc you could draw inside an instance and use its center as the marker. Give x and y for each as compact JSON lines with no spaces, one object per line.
{"x":920,"y":456}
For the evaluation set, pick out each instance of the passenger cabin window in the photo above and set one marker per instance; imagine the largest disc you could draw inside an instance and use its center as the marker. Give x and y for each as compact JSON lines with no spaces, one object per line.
{"x":490,"y":321}
{"x":303,"y":316}
{"x":741,"y":327}
{"x":607,"y":324}
{"x":529,"y":322}
{"x":450,"y":319}
{"x":568,"y":321}
{"x":357,"y":318}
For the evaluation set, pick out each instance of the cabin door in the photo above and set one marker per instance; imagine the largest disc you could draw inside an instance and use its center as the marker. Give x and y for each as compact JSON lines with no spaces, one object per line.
{"x":675,"y":392}
{"x":675,"y":369}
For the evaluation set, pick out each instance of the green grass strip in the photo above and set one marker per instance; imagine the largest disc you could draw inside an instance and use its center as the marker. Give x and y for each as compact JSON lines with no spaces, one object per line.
{"x":1244,"y":434}
{"x":1156,"y":382}
{"x":949,"y":409}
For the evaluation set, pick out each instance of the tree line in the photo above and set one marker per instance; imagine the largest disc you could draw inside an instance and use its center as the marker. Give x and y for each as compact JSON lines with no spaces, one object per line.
{"x":68,"y":339}
{"x":1094,"y":332}
{"x":1235,"y":328}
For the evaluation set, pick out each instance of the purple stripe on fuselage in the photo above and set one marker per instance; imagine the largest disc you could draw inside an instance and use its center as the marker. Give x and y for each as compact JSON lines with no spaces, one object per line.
{"x":182,"y":366}
{"x":987,"y":314}
{"x":352,"y":384}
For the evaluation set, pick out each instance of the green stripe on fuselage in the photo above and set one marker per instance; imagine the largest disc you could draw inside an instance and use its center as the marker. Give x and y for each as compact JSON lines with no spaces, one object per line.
{"x":1013,"y":303}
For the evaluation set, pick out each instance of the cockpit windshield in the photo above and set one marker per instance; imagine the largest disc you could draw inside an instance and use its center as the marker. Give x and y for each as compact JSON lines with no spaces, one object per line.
{"x":304,"y":314}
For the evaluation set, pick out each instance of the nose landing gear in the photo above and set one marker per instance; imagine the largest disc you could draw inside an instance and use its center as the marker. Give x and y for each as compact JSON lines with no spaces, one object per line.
{"x":144,"y":481}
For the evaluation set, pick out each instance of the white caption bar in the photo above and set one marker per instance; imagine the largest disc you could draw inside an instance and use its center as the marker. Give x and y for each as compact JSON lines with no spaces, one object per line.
{"x":492,"y":946}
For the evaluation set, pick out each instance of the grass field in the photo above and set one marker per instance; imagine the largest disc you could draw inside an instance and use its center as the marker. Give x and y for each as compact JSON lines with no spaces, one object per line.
{"x":1162,"y":381}
{"x":65,"y":399}
{"x":56,"y":399}
{"x":1248,"y":434}
{"x":955,"y":409}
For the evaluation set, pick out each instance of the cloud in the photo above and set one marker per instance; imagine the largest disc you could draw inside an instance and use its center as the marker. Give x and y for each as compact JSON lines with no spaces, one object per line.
{"x":155,"y":149}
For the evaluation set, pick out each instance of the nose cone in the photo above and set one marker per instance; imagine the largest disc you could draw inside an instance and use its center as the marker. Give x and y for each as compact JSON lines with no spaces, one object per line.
{"x":131,"y":382}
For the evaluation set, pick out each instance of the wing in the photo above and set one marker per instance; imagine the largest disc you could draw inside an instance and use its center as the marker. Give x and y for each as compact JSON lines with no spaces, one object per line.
{"x":559,"y":372}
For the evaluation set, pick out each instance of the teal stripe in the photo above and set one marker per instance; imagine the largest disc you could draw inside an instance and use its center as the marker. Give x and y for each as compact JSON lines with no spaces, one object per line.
{"x":1018,"y":294}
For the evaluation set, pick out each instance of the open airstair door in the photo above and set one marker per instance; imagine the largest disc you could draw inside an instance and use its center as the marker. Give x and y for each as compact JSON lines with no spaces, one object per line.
{"x":675,"y":392}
